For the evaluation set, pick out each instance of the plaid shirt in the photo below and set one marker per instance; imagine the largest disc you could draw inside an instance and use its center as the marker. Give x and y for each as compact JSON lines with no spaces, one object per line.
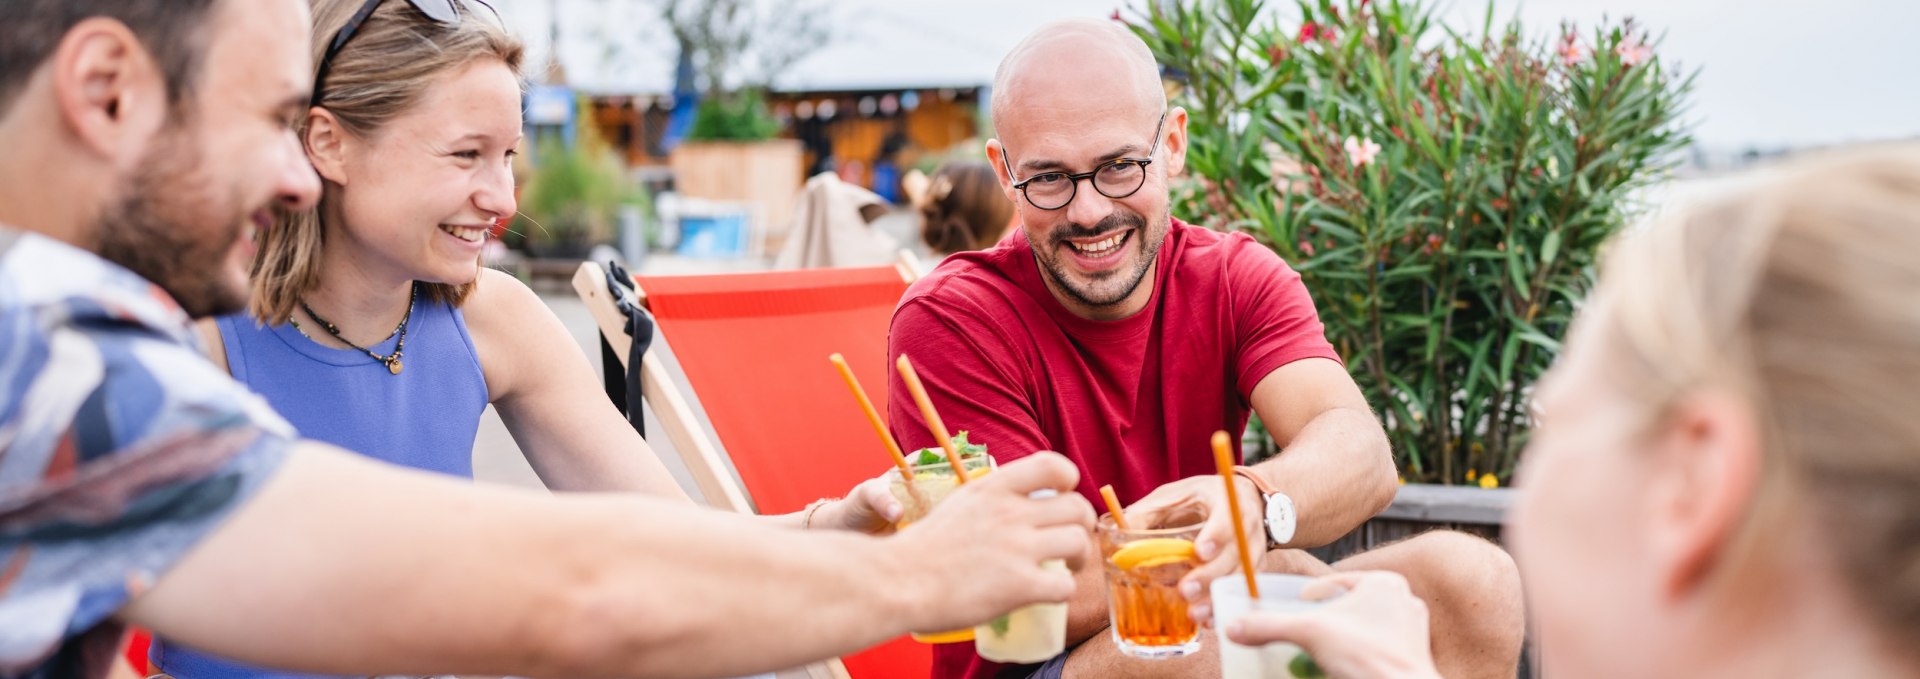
{"x":121,"y":448}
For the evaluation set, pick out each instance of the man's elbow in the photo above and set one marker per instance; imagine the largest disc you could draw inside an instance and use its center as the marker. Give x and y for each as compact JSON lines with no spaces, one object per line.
{"x":1375,"y":480}
{"x":1383,"y":481}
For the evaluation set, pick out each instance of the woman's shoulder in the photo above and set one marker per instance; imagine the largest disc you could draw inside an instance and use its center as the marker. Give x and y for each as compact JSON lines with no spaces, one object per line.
{"x":512,"y":330}
{"x":499,"y":300}
{"x":502,"y":310}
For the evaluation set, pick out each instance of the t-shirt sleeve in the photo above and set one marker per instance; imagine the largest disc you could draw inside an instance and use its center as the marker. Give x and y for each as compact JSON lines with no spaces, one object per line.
{"x":973,"y":377}
{"x":1274,"y":318}
{"x":120,"y":451}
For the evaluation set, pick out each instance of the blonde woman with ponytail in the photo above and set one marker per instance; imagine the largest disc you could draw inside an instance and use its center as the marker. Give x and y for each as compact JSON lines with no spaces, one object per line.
{"x":1725,"y":480}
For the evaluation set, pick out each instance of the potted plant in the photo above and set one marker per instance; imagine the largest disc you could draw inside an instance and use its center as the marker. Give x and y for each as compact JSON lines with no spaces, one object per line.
{"x":573,"y":197}
{"x":731,"y":154}
{"x":1443,"y":194}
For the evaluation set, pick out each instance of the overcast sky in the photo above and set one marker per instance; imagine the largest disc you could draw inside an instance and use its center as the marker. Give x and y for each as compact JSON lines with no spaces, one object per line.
{"x":1773,"y":72}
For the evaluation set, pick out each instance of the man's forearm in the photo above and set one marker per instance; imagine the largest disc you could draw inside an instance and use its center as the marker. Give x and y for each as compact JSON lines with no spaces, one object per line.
{"x":1087,"y":611}
{"x":404,"y":573}
{"x":714,"y":593}
{"x":1338,"y":471}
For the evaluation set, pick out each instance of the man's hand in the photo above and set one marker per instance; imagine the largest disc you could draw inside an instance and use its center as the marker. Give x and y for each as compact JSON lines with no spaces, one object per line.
{"x":978,"y":554}
{"x":1215,"y":545}
{"x":870,"y":508}
{"x":1378,"y":628}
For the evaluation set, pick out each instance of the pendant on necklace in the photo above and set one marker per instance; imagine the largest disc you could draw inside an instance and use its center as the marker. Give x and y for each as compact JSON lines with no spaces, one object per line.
{"x":393,"y":365}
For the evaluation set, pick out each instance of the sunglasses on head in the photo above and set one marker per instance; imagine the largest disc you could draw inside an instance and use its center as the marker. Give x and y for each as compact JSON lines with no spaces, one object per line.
{"x":446,"y":12}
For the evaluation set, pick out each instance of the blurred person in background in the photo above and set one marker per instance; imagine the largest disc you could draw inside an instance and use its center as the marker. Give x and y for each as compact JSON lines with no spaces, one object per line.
{"x":962,"y":208}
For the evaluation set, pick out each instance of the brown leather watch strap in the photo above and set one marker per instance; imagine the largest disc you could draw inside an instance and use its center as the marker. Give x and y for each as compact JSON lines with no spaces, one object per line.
{"x":1265,"y":489}
{"x":1249,"y":474}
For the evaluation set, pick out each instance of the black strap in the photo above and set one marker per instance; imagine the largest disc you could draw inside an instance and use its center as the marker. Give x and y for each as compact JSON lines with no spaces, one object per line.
{"x":624,"y":389}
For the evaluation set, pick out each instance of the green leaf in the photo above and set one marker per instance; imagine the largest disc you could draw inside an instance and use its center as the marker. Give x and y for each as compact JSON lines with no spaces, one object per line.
{"x":1001,"y":624}
{"x":935,"y":455}
{"x":1517,"y":272}
{"x":1550,"y":248}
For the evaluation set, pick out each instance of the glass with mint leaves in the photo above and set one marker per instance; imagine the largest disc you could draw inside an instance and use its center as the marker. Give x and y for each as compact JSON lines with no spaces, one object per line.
{"x":1032,"y":634}
{"x":932,"y":482}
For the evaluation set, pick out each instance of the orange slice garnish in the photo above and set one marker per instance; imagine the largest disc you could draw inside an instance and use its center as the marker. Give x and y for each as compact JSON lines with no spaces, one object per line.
{"x":1153,"y":552}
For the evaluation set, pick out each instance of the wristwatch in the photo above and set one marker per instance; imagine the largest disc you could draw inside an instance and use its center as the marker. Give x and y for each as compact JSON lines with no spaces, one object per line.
{"x":1279,"y":514}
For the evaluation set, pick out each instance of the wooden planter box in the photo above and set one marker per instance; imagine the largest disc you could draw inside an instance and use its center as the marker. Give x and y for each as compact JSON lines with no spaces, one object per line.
{"x":766,"y":174}
{"x":1419,"y":508}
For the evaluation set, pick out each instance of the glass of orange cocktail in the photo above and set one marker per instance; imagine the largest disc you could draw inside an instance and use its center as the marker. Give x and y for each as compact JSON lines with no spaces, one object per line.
{"x":1143,"y":566}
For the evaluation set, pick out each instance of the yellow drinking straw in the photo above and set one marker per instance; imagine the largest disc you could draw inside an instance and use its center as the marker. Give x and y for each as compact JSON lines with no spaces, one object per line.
{"x":873,"y":417}
{"x":1223,"y":458}
{"x":1113,"y":507}
{"x":933,"y":418}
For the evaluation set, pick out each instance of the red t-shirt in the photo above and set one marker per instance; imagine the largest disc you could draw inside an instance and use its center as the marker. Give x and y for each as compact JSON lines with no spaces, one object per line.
{"x":1133,"y":402}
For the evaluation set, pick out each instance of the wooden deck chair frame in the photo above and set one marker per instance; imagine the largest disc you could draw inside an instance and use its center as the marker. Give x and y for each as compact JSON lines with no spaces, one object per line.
{"x":704,"y":461}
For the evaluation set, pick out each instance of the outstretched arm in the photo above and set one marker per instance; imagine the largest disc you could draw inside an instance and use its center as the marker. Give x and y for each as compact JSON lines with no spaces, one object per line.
{"x":345,"y":565}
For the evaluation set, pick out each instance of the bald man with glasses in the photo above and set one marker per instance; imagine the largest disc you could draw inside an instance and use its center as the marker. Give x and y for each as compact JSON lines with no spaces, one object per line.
{"x":1111,"y":331}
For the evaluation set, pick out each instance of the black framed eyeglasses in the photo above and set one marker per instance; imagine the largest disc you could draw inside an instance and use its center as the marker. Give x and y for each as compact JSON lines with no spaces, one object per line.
{"x":1116,"y":179}
{"x":446,"y":12}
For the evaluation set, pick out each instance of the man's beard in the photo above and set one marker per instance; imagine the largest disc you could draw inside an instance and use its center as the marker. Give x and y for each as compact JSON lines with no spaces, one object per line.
{"x":166,"y":229}
{"x":1085,"y":293}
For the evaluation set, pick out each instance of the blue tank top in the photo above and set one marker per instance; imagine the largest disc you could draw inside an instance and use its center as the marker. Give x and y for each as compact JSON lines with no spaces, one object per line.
{"x":425,"y":417}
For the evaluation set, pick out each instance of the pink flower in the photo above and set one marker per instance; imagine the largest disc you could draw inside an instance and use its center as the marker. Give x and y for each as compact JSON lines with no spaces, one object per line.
{"x":1572,"y":53}
{"x":1309,"y":32}
{"x":1306,"y":248}
{"x":1633,"y":52}
{"x":1116,"y":17}
{"x":1361,"y":151}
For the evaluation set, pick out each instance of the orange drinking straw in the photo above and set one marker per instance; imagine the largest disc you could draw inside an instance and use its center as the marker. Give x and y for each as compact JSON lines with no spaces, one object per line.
{"x":873,"y":417}
{"x":933,"y":418}
{"x":1113,"y":507}
{"x":1223,"y":458}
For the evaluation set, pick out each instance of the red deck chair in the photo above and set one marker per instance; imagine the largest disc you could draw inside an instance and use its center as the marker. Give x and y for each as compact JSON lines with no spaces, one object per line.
{"x":754,"y":348}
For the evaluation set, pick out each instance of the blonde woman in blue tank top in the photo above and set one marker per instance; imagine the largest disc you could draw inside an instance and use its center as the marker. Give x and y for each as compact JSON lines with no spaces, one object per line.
{"x":373,"y":326}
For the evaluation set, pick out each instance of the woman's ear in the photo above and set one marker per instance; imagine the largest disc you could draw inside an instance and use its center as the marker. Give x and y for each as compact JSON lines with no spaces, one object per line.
{"x":326,"y":145}
{"x":1707,"y":464}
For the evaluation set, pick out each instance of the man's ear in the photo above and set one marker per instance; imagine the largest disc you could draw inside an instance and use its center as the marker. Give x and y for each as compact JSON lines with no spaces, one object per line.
{"x":997,"y":157}
{"x":1175,"y":144}
{"x":326,"y":144}
{"x":109,"y":91}
{"x":1704,"y":469}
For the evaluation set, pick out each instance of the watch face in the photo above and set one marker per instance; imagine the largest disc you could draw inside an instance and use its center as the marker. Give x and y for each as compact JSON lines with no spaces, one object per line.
{"x":1280,"y":521}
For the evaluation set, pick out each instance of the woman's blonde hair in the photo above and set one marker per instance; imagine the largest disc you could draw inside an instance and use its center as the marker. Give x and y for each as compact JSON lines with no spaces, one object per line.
{"x":1804,"y":295}
{"x":380,"y":74}
{"x":964,"y":208}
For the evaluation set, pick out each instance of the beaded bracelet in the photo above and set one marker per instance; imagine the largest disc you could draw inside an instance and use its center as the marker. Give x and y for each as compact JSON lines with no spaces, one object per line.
{"x":807,"y":521}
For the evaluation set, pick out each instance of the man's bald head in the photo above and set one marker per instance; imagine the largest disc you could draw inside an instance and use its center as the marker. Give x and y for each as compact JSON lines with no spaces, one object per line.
{"x":1082,"y":63}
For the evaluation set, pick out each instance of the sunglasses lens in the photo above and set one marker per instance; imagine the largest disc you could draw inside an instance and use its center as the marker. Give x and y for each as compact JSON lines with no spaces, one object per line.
{"x":442,"y":11}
